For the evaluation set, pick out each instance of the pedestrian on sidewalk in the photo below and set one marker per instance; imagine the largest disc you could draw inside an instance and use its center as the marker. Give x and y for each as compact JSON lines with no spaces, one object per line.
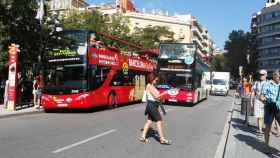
{"x":257,"y":103}
{"x":246,"y":99}
{"x":40,"y":88}
{"x":35,"y":93}
{"x":152,"y":110}
{"x":270,"y":96}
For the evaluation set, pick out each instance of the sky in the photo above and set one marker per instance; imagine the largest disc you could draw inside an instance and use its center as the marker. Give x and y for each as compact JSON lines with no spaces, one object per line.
{"x":219,"y":16}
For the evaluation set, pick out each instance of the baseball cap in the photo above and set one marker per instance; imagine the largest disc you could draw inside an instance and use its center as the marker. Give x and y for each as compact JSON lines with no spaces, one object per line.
{"x":263,"y":72}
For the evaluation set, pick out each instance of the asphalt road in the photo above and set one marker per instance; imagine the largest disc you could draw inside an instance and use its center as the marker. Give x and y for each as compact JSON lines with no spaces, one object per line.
{"x":195,"y":132}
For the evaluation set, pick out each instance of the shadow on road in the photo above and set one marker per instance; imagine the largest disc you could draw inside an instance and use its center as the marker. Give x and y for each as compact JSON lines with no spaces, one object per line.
{"x":86,"y":110}
{"x":257,"y":145}
{"x":152,"y":133}
{"x":239,"y":124}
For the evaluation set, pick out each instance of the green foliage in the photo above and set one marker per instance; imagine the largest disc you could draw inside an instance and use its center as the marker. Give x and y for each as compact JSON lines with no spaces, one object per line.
{"x":117,"y":25}
{"x":219,"y":63}
{"x":151,"y":37}
{"x":91,"y":20}
{"x":18,"y":25}
{"x":238,"y":46}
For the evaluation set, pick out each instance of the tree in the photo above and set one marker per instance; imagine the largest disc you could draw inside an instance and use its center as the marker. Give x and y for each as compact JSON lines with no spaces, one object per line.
{"x":151,"y":37}
{"x":239,"y":47}
{"x":18,"y":25}
{"x":219,"y":63}
{"x":92,"y":20}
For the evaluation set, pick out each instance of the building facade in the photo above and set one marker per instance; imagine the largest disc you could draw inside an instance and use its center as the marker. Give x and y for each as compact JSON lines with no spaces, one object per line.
{"x":64,"y":6}
{"x":266,"y":25}
{"x":186,"y":28}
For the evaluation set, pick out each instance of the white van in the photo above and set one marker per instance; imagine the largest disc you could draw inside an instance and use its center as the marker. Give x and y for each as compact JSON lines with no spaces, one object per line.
{"x":220,"y":83}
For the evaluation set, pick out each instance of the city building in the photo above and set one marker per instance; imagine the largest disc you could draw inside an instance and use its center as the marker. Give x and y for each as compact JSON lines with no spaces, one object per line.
{"x":65,"y":6}
{"x":266,"y":25}
{"x":186,"y":28}
{"x":270,"y":3}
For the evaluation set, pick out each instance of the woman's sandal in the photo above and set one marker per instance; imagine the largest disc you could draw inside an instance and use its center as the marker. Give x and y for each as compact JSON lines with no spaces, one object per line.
{"x":165,"y":142}
{"x":143,"y":140}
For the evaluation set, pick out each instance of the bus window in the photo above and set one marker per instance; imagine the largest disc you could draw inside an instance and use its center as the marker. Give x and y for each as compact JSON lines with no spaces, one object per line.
{"x":97,"y":76}
{"x":122,"y":79}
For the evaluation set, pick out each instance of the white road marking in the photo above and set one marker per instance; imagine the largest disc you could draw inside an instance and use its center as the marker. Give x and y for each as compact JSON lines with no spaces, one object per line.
{"x":83,"y":141}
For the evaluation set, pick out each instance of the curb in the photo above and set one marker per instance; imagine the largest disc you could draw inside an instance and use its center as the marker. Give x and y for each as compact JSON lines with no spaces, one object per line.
{"x":20,"y":114}
{"x":220,"y":152}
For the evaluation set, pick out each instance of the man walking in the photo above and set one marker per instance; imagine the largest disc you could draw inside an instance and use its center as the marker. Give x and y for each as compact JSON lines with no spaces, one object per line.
{"x":270,"y":96}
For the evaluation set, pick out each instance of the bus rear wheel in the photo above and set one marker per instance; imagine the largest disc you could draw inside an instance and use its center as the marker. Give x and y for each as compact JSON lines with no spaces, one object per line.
{"x":112,"y":101}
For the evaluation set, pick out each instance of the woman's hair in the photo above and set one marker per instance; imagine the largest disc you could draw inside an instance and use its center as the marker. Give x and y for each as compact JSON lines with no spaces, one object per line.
{"x":151,"y":77}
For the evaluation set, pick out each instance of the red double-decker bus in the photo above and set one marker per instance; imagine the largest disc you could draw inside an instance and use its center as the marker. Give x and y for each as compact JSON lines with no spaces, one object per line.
{"x":182,"y":73}
{"x":88,"y":73}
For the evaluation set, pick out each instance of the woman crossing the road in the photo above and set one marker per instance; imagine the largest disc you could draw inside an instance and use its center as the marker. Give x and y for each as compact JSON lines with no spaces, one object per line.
{"x":152,"y":110}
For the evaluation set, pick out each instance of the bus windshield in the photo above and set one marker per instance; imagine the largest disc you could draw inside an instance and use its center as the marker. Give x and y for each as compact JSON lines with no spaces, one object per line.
{"x":76,"y":37}
{"x":175,"y":80}
{"x":65,"y":79}
{"x":218,"y":82}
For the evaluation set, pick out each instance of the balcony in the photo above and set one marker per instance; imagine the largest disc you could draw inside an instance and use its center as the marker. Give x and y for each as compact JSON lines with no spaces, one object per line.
{"x":198,"y":42}
{"x":196,"y":31}
{"x":204,"y":35}
{"x":269,"y":22}
{"x":275,"y":43}
{"x":270,"y":57}
{"x":269,"y":33}
{"x":205,"y":43}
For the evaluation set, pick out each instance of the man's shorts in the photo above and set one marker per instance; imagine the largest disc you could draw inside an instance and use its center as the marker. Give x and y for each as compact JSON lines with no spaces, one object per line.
{"x":270,"y":112}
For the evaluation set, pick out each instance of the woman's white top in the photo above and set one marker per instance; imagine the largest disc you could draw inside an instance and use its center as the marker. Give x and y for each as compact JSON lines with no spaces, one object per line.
{"x":150,"y":97}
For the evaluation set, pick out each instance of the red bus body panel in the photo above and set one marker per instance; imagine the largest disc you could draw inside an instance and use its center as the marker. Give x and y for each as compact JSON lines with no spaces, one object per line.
{"x":181,"y":96}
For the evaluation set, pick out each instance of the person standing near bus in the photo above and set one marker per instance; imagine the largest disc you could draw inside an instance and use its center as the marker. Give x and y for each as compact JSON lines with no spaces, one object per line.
{"x":35,"y":92}
{"x":40,"y":87}
{"x":152,"y":110}
{"x":270,"y":95}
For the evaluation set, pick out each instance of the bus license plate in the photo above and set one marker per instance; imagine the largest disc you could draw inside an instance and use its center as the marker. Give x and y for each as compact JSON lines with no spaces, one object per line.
{"x":172,"y":100}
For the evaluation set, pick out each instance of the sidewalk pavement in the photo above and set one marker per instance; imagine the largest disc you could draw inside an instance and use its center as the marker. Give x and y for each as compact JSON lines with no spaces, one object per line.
{"x":24,"y":110}
{"x":244,"y":142}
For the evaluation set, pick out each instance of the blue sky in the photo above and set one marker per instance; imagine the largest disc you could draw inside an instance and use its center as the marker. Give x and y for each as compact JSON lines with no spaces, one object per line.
{"x":219,"y":16}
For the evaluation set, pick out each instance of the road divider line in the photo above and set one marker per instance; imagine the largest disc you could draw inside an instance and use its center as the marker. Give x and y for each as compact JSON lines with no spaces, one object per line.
{"x":83,"y":141}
